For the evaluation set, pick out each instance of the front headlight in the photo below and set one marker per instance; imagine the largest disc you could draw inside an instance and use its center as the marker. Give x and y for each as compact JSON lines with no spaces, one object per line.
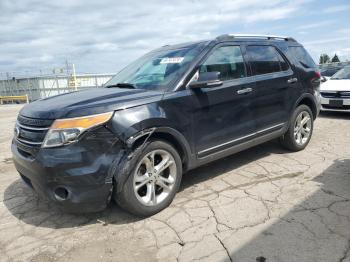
{"x":64,"y":131}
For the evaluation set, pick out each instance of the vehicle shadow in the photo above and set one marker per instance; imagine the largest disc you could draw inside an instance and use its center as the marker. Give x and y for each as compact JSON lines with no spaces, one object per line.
{"x":315,"y":229}
{"x":230,"y":163}
{"x":25,"y":205}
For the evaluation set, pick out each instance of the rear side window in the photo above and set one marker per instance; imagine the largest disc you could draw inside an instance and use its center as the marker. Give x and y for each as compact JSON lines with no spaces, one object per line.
{"x":302,"y":56}
{"x":227,"y":60}
{"x":265,"y":60}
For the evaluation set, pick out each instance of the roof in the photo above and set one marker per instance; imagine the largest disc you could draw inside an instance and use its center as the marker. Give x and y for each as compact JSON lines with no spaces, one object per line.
{"x":255,"y":37}
{"x":229,"y":37}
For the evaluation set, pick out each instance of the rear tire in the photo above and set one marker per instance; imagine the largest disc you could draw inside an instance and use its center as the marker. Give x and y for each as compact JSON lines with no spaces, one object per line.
{"x":300,"y":129}
{"x":154,"y":180}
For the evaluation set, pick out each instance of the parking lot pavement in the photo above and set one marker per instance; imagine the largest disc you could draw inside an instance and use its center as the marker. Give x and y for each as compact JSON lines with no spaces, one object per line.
{"x":263,"y":204}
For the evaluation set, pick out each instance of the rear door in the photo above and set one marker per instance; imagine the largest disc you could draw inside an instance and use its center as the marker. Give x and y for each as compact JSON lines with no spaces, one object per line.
{"x":274,"y":83}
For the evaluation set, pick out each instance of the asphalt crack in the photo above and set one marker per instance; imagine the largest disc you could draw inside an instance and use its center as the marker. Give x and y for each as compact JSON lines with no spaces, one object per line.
{"x":223,"y":245}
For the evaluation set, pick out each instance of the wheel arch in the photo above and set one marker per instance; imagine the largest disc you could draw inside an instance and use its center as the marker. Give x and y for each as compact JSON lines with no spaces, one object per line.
{"x":168,"y":134}
{"x":308,"y":100}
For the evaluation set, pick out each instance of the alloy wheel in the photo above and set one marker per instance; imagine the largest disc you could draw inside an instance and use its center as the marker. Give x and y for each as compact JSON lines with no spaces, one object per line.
{"x":302,"y":128}
{"x":154,"y":177}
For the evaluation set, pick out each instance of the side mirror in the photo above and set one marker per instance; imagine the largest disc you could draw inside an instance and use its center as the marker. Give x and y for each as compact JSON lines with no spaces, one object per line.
{"x":206,"y":79}
{"x":323,"y":79}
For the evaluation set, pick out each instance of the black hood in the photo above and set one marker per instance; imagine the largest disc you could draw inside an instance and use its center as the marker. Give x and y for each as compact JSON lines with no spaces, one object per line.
{"x":87,"y":102}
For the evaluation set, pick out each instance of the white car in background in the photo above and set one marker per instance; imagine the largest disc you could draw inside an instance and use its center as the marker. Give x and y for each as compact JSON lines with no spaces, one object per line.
{"x":335,"y":92}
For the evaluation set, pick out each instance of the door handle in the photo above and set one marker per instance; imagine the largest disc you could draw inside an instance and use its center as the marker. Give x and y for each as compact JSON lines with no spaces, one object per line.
{"x":244,"y":91}
{"x":292,"y":80}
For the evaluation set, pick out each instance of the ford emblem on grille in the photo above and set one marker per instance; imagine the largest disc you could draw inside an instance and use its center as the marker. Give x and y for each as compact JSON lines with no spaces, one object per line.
{"x":17,"y":131}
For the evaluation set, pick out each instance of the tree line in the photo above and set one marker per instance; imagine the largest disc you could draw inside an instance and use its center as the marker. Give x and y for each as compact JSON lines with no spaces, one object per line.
{"x":324,"y":59}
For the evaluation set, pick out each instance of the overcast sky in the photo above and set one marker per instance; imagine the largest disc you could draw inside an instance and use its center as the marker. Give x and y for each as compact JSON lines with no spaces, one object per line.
{"x":101,"y":36}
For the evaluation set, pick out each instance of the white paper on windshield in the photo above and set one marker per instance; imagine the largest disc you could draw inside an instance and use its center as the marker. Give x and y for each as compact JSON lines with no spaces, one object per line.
{"x":171,"y":60}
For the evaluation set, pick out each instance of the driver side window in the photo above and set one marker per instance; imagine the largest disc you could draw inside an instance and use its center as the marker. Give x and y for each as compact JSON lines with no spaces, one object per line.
{"x":227,"y":60}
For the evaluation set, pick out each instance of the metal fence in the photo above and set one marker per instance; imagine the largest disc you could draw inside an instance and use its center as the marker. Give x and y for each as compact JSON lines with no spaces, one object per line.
{"x":44,"y":86}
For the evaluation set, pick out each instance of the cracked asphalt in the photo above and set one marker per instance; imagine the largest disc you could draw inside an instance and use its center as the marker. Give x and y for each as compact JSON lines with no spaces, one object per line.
{"x":263,"y":204}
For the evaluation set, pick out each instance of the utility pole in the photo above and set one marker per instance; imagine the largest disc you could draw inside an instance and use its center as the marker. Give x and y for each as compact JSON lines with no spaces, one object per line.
{"x":74,"y":78}
{"x":67,"y":67}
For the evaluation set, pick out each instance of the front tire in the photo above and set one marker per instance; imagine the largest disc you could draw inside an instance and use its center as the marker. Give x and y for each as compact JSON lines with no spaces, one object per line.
{"x":300,"y":129}
{"x":153,"y":182}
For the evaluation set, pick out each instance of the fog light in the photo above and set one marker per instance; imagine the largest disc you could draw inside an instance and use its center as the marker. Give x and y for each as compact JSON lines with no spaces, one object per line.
{"x":61,"y":193}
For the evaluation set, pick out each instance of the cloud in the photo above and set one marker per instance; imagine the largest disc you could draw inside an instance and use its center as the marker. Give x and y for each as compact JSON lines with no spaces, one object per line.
{"x":317,"y":25}
{"x":104,"y":36}
{"x":344,"y":52}
{"x":327,"y":40}
{"x":336,"y":9}
{"x":330,"y":45}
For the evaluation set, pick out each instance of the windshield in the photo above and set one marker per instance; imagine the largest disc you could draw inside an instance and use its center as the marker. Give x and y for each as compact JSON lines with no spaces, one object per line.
{"x":329,"y":72}
{"x":157,"y":70}
{"x":342,"y":74}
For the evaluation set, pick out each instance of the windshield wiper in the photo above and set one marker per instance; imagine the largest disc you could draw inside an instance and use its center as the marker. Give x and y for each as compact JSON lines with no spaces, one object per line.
{"x":122,"y":85}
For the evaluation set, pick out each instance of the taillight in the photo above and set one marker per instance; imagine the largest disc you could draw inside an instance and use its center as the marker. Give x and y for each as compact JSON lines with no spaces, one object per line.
{"x":316,"y":78}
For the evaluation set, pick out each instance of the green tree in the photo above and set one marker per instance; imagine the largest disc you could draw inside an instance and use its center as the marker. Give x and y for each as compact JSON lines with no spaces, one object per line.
{"x":335,"y":59}
{"x":324,"y":58}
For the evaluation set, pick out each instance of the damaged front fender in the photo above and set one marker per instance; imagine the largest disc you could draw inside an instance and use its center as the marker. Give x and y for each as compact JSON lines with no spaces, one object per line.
{"x":140,"y":124}
{"x":125,"y":161}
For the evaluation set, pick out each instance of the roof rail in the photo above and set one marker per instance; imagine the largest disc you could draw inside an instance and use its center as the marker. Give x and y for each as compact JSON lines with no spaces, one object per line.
{"x":267,"y":37}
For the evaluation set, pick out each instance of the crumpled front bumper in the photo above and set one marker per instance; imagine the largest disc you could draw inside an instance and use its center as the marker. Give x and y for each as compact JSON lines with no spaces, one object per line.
{"x":76,"y":177}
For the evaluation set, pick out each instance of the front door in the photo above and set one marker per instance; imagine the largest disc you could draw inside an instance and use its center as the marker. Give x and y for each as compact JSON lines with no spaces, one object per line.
{"x":222,"y":116}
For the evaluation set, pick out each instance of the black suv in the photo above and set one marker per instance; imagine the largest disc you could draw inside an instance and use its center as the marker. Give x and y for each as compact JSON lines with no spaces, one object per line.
{"x":174,"y":109}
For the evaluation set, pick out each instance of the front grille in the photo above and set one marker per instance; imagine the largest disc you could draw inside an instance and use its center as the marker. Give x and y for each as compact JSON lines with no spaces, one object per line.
{"x":32,"y":131}
{"x":34,"y":121}
{"x":338,"y":94}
